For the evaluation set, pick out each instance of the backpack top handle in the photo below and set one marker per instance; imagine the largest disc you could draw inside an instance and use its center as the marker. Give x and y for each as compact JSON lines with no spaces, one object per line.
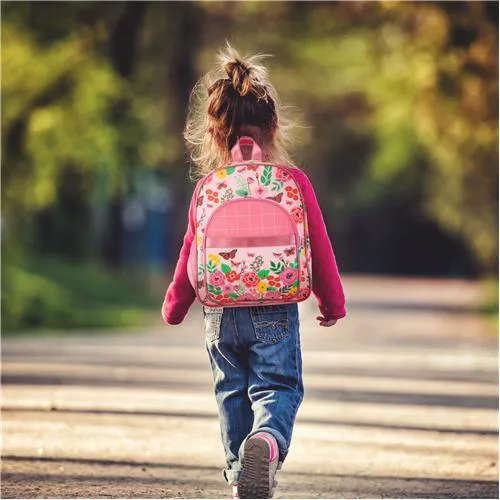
{"x":246,"y":142}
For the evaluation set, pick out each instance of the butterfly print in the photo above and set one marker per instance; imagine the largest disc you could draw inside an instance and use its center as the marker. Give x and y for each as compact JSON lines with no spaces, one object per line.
{"x":233,"y":263}
{"x":252,"y":167}
{"x":276,"y":198}
{"x":199,"y":202}
{"x":228,"y":255}
{"x":289,"y":251}
{"x":277,"y":254}
{"x":222,"y":185}
{"x":288,"y":202}
{"x":200,"y":284}
{"x":250,"y":254}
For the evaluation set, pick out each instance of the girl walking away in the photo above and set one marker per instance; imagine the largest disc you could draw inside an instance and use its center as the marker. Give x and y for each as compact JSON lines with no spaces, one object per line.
{"x":255,"y":245}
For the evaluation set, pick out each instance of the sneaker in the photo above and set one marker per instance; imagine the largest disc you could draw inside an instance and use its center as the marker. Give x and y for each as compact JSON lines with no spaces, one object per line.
{"x":260,"y":462}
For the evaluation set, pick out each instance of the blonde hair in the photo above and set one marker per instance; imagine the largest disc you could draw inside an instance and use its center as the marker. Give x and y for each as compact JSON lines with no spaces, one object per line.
{"x":233,"y":100}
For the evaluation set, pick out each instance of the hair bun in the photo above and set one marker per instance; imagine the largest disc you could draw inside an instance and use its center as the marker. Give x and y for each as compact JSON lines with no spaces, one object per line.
{"x":240,"y":75}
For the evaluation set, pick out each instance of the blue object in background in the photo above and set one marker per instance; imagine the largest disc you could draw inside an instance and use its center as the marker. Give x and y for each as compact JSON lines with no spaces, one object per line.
{"x":147,"y":221}
{"x":159,"y":224}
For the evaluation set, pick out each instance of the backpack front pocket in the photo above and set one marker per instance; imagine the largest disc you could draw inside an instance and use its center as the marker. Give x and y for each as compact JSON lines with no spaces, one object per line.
{"x":251,"y":252}
{"x":255,"y":274}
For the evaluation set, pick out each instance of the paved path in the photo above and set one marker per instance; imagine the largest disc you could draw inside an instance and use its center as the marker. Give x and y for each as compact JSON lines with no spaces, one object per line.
{"x":401,"y":401}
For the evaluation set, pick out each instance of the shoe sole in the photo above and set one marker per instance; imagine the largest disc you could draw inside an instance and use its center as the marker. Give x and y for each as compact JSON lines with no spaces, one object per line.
{"x":254,"y":479}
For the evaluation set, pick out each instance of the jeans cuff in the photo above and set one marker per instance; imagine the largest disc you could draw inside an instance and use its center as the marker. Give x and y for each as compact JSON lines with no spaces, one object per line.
{"x":282,"y":444}
{"x":231,"y":476}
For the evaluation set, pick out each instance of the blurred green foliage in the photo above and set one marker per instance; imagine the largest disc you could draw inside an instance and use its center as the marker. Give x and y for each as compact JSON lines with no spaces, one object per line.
{"x":490,"y":306}
{"x":422,"y":81}
{"x":60,"y":96}
{"x":397,"y":102}
{"x":49,"y":293}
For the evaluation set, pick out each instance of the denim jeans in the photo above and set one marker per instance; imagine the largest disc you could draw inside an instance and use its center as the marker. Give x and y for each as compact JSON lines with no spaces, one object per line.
{"x":257,"y":369}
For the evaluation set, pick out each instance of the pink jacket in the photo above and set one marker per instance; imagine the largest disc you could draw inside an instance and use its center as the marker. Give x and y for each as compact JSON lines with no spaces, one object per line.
{"x":327,"y":286}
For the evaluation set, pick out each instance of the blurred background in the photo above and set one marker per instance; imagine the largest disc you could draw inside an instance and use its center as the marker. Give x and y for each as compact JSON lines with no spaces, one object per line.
{"x":397,"y":107}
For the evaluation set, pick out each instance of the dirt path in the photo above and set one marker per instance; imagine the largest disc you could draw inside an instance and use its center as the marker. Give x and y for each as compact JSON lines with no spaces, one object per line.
{"x":401,"y":401}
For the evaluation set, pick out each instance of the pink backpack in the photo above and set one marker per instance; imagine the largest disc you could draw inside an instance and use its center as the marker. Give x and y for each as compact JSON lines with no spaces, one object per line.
{"x":251,"y":245}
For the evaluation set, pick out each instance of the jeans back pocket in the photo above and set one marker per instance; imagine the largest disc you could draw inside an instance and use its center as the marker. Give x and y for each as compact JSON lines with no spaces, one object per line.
{"x":270,"y":323}
{"x":213,"y":320}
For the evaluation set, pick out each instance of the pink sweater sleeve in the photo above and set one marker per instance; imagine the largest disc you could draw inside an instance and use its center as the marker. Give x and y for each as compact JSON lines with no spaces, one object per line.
{"x":327,"y":286}
{"x":180,"y":294}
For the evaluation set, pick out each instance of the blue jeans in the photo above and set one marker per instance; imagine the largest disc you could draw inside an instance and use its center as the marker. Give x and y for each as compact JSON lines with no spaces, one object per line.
{"x":257,"y":368}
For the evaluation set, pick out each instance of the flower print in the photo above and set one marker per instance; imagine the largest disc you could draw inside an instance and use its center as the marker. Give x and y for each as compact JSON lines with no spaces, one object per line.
{"x":261,"y":192}
{"x":250,"y":295}
{"x":232,"y":276}
{"x":221,"y":174}
{"x":288,"y":276}
{"x":272,"y":295}
{"x":228,"y":195}
{"x":227,"y":288}
{"x":214,"y":257}
{"x":256,"y":264}
{"x":292,"y":192}
{"x":224,"y":299}
{"x":273,"y":281}
{"x":292,"y":291}
{"x":261,"y":287}
{"x":250,"y":279}
{"x":213,"y":195}
{"x":217,"y":278}
{"x":297,"y":214}
{"x":282,"y":175}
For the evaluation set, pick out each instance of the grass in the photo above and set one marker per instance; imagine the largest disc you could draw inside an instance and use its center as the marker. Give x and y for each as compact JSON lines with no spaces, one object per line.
{"x":48,"y":293}
{"x":490,"y":305}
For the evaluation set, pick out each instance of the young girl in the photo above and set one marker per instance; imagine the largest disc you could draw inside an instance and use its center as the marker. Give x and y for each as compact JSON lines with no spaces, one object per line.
{"x":254,"y":351}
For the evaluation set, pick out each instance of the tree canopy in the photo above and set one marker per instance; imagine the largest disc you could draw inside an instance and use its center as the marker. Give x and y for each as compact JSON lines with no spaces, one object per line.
{"x":397,"y":106}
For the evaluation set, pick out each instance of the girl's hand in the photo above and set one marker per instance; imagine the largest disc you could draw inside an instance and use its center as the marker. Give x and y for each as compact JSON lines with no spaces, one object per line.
{"x":326,"y":322}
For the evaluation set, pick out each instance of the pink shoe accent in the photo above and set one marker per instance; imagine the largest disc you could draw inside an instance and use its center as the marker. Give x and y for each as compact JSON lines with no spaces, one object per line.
{"x":271,"y":442}
{"x":235,"y":491}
